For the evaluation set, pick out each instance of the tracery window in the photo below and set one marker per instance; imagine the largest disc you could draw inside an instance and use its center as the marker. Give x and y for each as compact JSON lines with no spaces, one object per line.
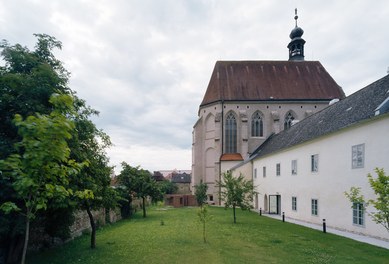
{"x":230,"y":133}
{"x":256,"y":125}
{"x":288,"y":120}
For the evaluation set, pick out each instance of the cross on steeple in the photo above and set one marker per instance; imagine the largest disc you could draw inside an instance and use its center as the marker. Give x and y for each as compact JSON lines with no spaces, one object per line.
{"x":296,"y":45}
{"x":295,"y":15}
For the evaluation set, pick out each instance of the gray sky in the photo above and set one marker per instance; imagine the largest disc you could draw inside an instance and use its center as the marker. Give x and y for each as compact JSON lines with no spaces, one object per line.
{"x":145,"y":64}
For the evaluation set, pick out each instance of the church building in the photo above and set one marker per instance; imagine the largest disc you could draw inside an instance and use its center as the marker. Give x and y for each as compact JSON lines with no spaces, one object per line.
{"x":248,"y":101}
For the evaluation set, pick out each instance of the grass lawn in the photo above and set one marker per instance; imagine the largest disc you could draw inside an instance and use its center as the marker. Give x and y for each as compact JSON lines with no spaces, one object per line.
{"x":253,"y":239}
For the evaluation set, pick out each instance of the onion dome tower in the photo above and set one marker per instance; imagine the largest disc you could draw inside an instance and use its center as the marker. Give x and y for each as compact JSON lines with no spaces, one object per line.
{"x":296,"y":45}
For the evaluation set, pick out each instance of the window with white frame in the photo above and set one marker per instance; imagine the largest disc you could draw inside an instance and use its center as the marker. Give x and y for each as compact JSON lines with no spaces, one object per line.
{"x":278,"y":169}
{"x":294,"y":167}
{"x":294,"y":203}
{"x":264,"y":171}
{"x":315,"y":163}
{"x":358,"y":156}
{"x":358,"y":214}
{"x":314,"y":207}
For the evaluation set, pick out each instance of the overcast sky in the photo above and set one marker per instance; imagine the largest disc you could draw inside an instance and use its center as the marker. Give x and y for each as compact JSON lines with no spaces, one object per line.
{"x":145,"y":64}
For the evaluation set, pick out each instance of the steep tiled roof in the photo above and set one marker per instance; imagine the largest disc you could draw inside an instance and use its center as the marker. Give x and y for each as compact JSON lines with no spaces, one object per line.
{"x":270,"y":80}
{"x":356,"y":108}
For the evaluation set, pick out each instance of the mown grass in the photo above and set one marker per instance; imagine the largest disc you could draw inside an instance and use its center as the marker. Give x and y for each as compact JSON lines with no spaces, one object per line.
{"x":178,"y":239}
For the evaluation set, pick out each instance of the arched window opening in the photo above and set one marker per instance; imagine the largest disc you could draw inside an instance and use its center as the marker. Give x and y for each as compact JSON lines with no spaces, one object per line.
{"x":288,"y":120}
{"x":230,"y":133}
{"x":256,"y":125}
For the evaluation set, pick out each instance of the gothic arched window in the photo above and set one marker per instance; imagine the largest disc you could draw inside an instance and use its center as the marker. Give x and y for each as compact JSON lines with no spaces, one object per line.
{"x":230,"y":133}
{"x":288,"y":120}
{"x":256,"y":125}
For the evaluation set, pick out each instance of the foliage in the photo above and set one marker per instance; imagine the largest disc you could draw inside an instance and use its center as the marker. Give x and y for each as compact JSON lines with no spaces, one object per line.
{"x":380,"y":186}
{"x":236,"y":192}
{"x":167,"y":187}
{"x":39,"y":172}
{"x":204,"y":218}
{"x":27,"y":81}
{"x":137,"y":182}
{"x":89,"y":143}
{"x":201,"y":193}
{"x":253,"y":240}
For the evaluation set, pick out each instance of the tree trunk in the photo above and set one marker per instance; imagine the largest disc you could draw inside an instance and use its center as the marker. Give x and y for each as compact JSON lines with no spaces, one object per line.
{"x":27,"y":234}
{"x":205,"y":241}
{"x":144,"y":206}
{"x":93,"y":226}
{"x":233,"y":208}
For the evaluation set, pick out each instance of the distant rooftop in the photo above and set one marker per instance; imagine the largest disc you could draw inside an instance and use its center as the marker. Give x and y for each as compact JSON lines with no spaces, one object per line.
{"x":181,"y":178}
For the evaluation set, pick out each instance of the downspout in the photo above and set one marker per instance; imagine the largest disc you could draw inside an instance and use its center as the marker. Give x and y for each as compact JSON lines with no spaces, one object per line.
{"x":220,"y":162}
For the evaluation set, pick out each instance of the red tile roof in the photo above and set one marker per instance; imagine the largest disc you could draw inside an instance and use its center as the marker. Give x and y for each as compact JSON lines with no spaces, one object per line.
{"x":270,"y":80}
{"x":231,"y":157}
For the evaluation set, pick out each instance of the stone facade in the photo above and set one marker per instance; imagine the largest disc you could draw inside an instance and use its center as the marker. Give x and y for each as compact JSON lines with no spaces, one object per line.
{"x":207,"y":134}
{"x":39,"y":239}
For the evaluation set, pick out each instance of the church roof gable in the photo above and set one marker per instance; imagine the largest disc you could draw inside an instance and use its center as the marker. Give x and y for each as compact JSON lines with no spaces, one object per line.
{"x":270,"y":80}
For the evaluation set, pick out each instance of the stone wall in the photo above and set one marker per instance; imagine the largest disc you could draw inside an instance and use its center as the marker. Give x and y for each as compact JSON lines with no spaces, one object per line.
{"x":39,"y":239}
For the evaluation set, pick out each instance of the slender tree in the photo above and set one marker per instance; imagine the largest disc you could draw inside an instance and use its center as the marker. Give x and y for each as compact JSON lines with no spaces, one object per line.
{"x":236,"y":192}
{"x":380,"y":186}
{"x":204,"y":217}
{"x":40,"y":171}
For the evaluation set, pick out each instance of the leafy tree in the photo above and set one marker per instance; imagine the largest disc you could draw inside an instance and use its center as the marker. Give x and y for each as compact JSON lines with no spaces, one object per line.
{"x":27,"y":80}
{"x":236,"y":192}
{"x":380,"y":186}
{"x":201,"y":193}
{"x":137,"y":182}
{"x":125,"y":186}
{"x":39,"y":172}
{"x":89,"y":143}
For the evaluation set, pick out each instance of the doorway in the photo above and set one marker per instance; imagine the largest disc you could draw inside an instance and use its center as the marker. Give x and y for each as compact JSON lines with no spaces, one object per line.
{"x":274,"y":204}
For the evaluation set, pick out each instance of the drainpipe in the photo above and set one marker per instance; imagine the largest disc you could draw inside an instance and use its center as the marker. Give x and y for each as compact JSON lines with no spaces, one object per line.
{"x":220,"y":162}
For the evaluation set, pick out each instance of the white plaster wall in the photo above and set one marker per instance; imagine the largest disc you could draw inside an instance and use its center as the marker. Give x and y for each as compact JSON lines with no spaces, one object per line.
{"x":246,"y":170}
{"x":334,"y":177}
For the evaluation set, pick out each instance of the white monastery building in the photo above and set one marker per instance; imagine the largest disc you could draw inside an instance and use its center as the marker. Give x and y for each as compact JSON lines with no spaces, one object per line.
{"x":287,"y":126}
{"x":305,"y":170}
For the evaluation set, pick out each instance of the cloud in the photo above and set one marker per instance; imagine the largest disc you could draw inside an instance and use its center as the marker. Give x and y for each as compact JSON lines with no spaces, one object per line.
{"x":145,"y":65}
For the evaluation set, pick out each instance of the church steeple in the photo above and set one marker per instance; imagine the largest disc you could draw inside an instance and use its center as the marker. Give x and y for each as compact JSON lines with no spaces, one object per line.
{"x":296,"y":45}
